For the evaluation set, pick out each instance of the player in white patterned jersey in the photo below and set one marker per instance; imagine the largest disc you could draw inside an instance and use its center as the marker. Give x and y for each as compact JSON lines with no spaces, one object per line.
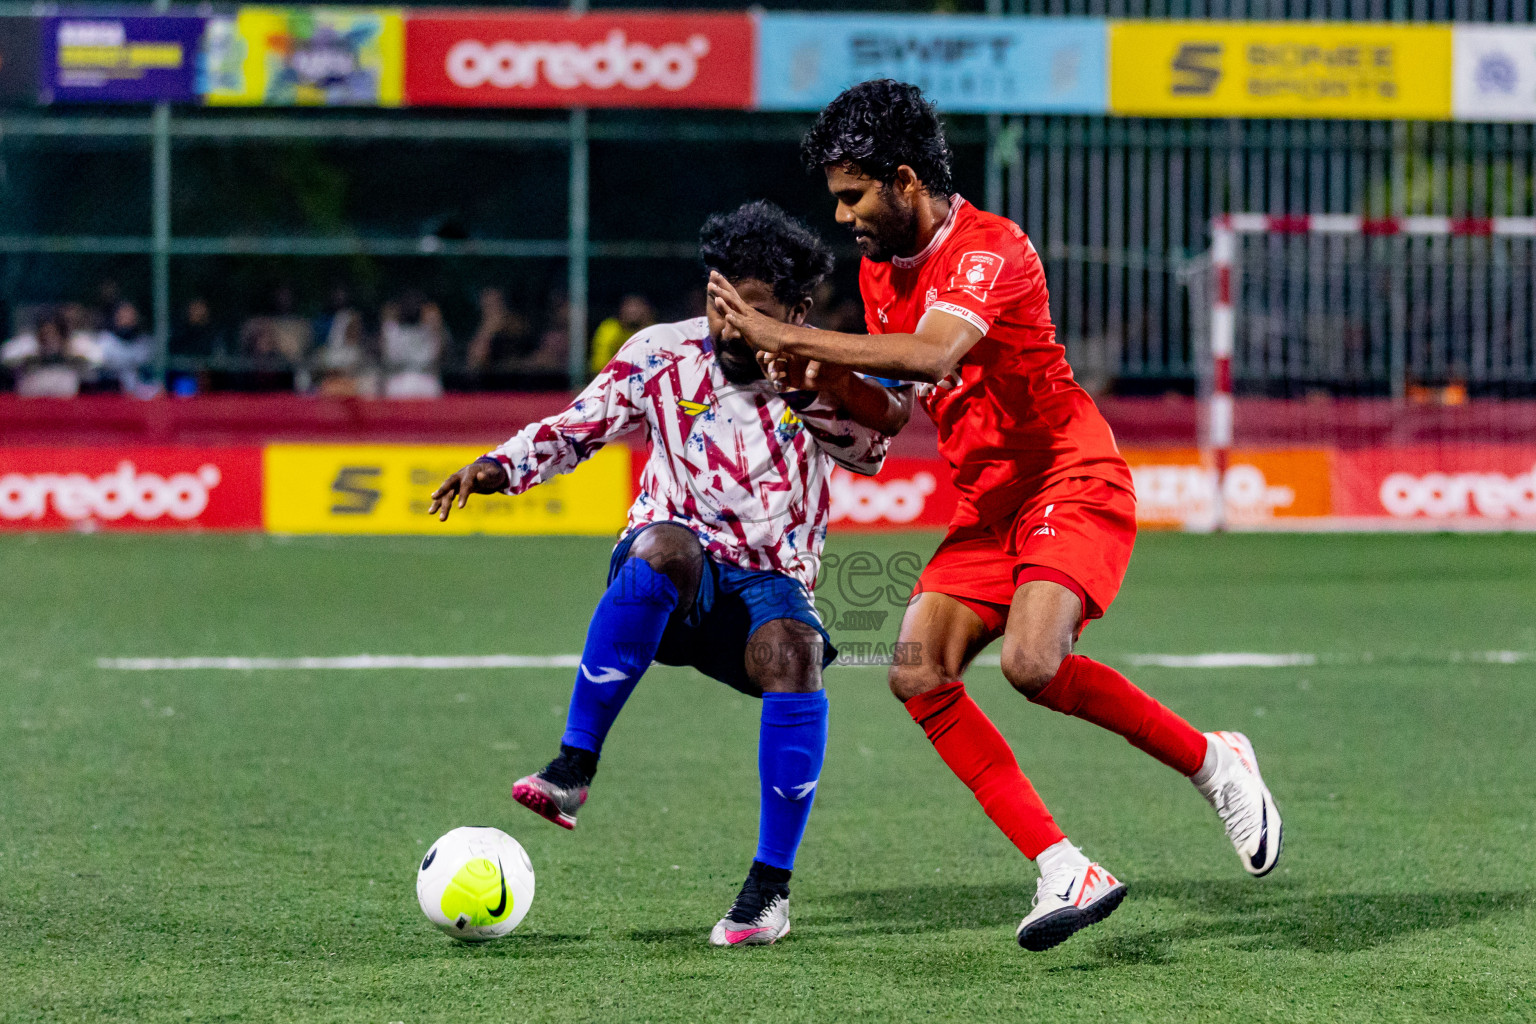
{"x":717,"y":562}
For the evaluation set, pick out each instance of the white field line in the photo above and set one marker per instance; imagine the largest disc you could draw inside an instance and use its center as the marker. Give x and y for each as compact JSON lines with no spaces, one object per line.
{"x":348,"y":663}
{"x":356,"y":662}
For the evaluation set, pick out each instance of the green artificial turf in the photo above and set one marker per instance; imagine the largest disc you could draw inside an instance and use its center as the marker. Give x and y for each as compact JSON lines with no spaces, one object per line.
{"x":215,"y":845}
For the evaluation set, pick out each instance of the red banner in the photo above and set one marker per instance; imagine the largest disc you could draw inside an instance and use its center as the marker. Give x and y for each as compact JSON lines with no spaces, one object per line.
{"x":130,"y":488}
{"x":600,"y":60}
{"x":908,"y":494}
{"x":1483,"y":483}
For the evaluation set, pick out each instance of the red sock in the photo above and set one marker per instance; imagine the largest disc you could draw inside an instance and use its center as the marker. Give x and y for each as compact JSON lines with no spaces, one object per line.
{"x":1097,"y":693}
{"x":976,"y":752}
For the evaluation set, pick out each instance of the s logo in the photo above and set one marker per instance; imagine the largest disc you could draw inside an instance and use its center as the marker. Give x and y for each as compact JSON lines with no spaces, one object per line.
{"x":1196,"y":69}
{"x":354,"y":495}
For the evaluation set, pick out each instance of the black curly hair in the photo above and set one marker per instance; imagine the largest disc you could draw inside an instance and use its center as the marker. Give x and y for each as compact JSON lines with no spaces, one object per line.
{"x":880,"y":125}
{"x":762,"y":241}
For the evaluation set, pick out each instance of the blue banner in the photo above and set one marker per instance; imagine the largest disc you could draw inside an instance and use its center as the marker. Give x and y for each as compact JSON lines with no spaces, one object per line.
{"x":964,"y":63}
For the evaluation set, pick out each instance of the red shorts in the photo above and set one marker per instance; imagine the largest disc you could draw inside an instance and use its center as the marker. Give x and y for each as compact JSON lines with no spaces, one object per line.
{"x":1078,"y":532}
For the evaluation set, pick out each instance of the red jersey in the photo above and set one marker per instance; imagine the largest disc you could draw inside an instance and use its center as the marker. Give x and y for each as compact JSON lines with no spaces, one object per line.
{"x":1016,"y":421}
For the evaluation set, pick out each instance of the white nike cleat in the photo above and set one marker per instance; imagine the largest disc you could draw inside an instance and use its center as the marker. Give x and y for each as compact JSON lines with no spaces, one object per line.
{"x":1237,"y":791}
{"x":759,"y":917}
{"x":1068,"y":900}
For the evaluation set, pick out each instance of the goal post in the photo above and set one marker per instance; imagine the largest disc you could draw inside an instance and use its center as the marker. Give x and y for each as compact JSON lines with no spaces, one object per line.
{"x":1352,"y":333}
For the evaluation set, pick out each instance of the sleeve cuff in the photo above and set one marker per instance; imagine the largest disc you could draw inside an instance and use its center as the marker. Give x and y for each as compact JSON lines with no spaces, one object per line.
{"x":969,"y":316}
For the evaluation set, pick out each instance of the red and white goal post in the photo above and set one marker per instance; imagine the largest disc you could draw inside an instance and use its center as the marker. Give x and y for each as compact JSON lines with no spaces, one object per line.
{"x":1401,"y":351}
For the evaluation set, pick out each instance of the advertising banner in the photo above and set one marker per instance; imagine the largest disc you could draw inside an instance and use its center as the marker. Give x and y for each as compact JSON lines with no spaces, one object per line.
{"x":1279,"y":69}
{"x":600,"y":60}
{"x":383,"y":489}
{"x":20,"y":40}
{"x":1487,"y":485}
{"x":908,"y":494}
{"x":116,"y":488}
{"x":1175,"y":486}
{"x":99,"y":59}
{"x":1495,"y":73}
{"x":304,"y":56}
{"x":965,"y":64}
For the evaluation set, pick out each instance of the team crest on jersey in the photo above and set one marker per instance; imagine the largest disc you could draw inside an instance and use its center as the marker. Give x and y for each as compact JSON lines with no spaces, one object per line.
{"x":977,"y":273}
{"x":930,"y":298}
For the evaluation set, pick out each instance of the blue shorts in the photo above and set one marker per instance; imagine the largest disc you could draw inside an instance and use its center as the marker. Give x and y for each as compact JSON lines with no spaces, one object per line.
{"x":732,"y":603}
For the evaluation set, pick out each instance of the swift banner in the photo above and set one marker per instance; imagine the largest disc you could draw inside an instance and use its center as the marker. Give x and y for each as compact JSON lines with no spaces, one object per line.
{"x":600,"y":60}
{"x":965,"y":64}
{"x":304,"y":56}
{"x":1495,"y":73}
{"x":1279,"y":69}
{"x":97,"y":59}
{"x":384,"y":488}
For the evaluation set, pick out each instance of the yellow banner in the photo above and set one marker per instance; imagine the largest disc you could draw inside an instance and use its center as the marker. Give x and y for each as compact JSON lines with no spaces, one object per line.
{"x":1279,"y":69}
{"x":383,"y":489}
{"x":306,"y":56}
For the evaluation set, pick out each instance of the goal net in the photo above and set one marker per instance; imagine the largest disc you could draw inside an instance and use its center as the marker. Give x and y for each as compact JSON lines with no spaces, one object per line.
{"x":1368,"y":373}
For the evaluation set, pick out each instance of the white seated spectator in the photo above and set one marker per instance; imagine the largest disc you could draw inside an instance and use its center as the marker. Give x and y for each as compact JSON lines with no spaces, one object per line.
{"x":412,"y":337}
{"x":126,"y":350}
{"x":50,"y":361}
{"x":344,"y":363}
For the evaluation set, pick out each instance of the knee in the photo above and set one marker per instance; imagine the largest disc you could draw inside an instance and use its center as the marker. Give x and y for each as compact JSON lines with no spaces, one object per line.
{"x":1029,"y":668}
{"x":674,"y":552}
{"x":907,"y":681}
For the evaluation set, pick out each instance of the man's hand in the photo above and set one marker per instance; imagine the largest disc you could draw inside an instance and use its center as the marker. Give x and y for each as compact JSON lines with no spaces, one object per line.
{"x":761,"y":332}
{"x":479,"y":477}
{"x":797,"y":372}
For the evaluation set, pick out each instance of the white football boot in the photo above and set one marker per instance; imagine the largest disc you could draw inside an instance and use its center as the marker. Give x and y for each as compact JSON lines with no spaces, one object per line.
{"x":1237,"y":791}
{"x":1067,"y":899}
{"x":759,"y":917}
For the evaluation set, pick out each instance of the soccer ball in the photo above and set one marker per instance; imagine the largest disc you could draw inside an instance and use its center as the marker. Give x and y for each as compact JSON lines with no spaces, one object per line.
{"x":475,"y":883}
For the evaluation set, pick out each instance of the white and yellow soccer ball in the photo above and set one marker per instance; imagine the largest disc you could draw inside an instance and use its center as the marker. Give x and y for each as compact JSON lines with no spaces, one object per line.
{"x":475,"y":883}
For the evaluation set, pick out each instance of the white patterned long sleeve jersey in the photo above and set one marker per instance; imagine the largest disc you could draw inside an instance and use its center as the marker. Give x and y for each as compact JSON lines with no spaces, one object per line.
{"x":745,"y":467}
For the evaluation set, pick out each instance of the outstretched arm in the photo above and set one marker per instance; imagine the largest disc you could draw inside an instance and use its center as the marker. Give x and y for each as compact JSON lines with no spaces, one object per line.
{"x":926,"y":355}
{"x":609,"y":408}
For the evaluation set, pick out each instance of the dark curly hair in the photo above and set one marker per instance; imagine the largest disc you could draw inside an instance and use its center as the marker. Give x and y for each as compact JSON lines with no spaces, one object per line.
{"x":762,"y":241}
{"x":879,"y":126}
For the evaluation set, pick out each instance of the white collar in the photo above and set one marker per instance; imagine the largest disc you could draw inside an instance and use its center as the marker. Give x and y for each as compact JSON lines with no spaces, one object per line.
{"x":908,"y":262}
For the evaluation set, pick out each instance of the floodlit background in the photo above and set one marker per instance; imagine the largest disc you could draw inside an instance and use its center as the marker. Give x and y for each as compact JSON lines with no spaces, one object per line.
{"x":268,"y":274}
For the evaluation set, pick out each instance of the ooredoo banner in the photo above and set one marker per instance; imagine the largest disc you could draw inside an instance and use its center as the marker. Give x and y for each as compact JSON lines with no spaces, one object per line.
{"x":130,"y":488}
{"x":1486,"y":485}
{"x":965,"y":64}
{"x":601,"y":60}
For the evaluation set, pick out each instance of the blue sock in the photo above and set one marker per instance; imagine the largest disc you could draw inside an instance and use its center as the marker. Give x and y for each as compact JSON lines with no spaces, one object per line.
{"x":790,"y":747}
{"x":621,"y":642}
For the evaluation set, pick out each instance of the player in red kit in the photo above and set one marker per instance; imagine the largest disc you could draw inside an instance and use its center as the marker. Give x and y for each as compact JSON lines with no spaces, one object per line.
{"x":955,"y":299}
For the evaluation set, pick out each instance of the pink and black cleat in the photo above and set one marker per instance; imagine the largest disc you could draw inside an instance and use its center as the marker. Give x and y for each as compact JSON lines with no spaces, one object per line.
{"x":759,"y":917}
{"x":549,"y":800}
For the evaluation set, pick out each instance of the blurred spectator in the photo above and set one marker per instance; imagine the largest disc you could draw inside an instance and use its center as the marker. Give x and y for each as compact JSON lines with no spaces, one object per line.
{"x":412,"y":338}
{"x":126,"y":349}
{"x":50,"y":361}
{"x":280,"y":335}
{"x":503,"y":335}
{"x":345,"y":363}
{"x":635,"y":314}
{"x":195,"y":335}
